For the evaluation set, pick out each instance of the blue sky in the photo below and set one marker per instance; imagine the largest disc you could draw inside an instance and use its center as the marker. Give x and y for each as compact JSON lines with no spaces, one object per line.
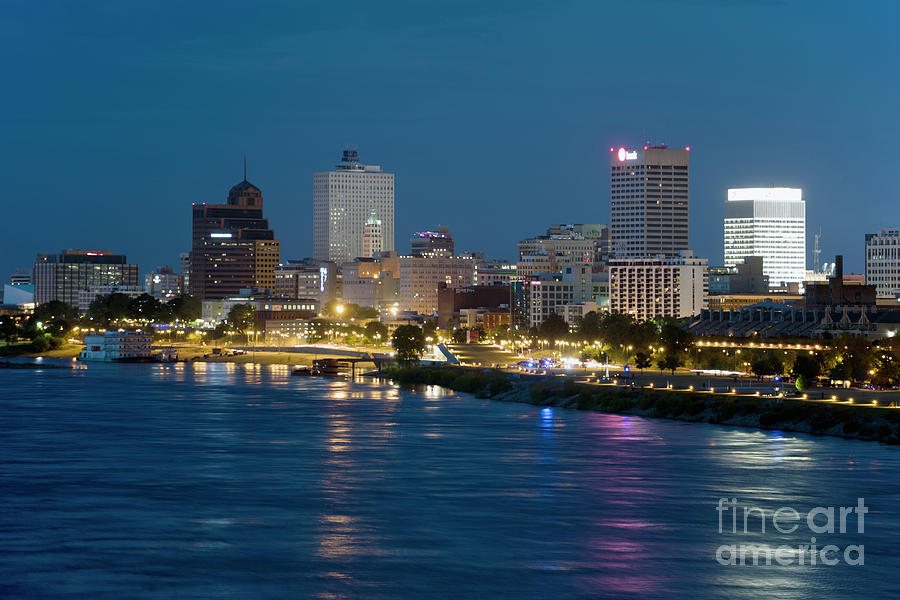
{"x":497,"y":117}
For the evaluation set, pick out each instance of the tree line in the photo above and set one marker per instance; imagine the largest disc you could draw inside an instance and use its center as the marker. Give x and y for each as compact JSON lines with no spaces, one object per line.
{"x":52,"y":322}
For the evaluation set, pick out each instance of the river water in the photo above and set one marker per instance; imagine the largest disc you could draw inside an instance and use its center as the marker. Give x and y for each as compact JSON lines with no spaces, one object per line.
{"x":234,"y":481}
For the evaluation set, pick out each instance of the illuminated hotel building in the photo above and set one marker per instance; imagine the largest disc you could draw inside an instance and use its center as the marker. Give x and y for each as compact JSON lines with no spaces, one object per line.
{"x":883,"y":262}
{"x":658,"y":287}
{"x":343,"y":200}
{"x":232,"y":246}
{"x":771,"y":223}
{"x":649,"y":201}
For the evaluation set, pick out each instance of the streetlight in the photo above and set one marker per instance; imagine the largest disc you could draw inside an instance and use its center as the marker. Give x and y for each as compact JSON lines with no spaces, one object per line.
{"x":339,"y":309}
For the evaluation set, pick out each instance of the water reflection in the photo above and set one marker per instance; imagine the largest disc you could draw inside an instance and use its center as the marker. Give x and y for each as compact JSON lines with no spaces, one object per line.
{"x":234,"y":481}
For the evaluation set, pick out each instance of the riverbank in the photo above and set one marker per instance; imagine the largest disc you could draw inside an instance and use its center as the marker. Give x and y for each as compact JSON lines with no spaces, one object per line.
{"x":816,"y":417}
{"x":26,"y":350}
{"x":249,"y":355}
{"x":191,"y":353}
{"x":26,"y":365}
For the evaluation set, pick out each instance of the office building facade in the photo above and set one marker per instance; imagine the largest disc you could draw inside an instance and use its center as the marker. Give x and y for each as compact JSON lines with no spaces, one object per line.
{"x":62,"y":276}
{"x":575,"y":285}
{"x":20,"y":278}
{"x":883,"y":262}
{"x":649,"y":201}
{"x":408,"y":282}
{"x":232,"y":245}
{"x":373,"y":237}
{"x":769,"y":223}
{"x":306,"y":279}
{"x":164,"y":282}
{"x":565,"y":244}
{"x":343,"y":201}
{"x":432,"y":243}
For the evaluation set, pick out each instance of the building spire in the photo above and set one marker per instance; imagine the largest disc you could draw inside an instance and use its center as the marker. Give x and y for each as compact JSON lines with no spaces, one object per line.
{"x":245,"y":166}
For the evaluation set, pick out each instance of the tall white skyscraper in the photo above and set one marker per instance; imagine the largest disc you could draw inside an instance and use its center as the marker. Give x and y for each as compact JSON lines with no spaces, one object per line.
{"x":649,"y":201}
{"x":771,"y":223}
{"x":343,"y":199}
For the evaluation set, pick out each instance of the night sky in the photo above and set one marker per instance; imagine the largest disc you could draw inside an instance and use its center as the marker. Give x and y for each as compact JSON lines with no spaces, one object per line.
{"x":497,"y":117}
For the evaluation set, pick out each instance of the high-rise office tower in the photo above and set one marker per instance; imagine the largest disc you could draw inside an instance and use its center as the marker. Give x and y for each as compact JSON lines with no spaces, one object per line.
{"x":232,"y":246}
{"x":185,"y":260}
{"x":343,"y":199}
{"x":883,"y":261}
{"x":373,"y":236}
{"x":649,"y":201}
{"x":63,"y":276}
{"x":771,"y":223}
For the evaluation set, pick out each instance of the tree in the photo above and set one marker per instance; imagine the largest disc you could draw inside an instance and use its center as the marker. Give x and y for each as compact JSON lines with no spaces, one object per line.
{"x":186,"y":307}
{"x":40,"y":343}
{"x":144,"y":307}
{"x":760,"y":366}
{"x":53,"y":310}
{"x":242,"y":317}
{"x":669,"y":362}
{"x":8,"y":328}
{"x":853,"y":357}
{"x":164,"y":313}
{"x":589,"y":328}
{"x":767,"y":364}
{"x":886,"y":367}
{"x":618,"y":329}
{"x":777,"y":364}
{"x":642,"y":360}
{"x":840,"y":371}
{"x":429,"y":330}
{"x":806,"y":366}
{"x":554,"y":327}
{"x":337,"y":309}
{"x":366,"y":312}
{"x":802,"y":384}
{"x":220,"y":331}
{"x":107,"y":308}
{"x":409,"y":343}
{"x":459,"y":335}
{"x":376,"y":332}
{"x":622,"y":333}
{"x":672,"y":335}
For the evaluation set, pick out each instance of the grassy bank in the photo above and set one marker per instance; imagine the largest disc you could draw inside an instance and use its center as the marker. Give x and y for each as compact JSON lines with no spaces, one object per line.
{"x":859,"y":422}
{"x":27,"y":349}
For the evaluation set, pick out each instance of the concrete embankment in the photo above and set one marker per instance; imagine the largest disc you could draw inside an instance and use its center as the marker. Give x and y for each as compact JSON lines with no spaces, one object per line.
{"x":823,"y":418}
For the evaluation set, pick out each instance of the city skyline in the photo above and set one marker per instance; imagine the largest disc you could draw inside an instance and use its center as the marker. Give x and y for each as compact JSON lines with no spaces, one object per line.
{"x":453,"y":138}
{"x":717,"y":256}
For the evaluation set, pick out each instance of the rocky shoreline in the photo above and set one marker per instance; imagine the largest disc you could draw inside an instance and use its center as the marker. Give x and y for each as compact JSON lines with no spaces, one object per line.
{"x":818,"y":418}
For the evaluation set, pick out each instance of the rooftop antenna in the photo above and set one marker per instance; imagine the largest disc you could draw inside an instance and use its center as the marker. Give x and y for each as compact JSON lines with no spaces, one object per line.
{"x":816,"y":252}
{"x":245,"y":167}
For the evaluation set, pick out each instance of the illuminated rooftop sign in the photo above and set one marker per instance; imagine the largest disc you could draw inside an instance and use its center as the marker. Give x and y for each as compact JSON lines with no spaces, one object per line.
{"x":771,"y":193}
{"x":220,"y":235}
{"x":627,"y":155}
